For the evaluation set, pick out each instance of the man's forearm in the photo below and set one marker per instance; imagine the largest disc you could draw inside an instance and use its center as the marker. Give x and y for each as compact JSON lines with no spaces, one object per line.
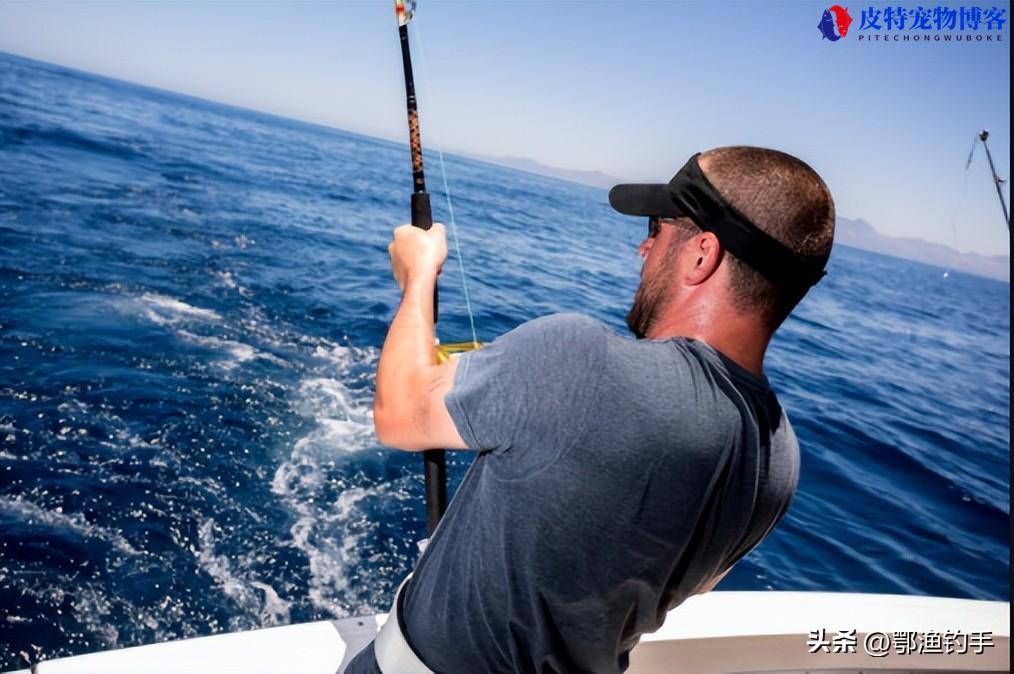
{"x":407,"y":357}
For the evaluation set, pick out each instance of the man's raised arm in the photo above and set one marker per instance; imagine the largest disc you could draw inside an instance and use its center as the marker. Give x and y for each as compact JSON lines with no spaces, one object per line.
{"x":409,"y":411}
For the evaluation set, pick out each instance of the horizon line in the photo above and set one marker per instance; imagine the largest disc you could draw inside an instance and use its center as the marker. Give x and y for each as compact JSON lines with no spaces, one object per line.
{"x":457,"y":153}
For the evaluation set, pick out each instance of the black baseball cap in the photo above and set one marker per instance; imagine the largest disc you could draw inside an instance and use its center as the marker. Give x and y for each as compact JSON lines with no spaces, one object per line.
{"x":689,"y":194}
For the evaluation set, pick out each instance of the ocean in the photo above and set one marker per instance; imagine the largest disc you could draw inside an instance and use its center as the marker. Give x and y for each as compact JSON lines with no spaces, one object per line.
{"x":192,"y":302}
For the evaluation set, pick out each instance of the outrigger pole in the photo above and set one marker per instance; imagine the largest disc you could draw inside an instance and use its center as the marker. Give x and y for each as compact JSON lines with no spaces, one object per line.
{"x":434,"y":461}
{"x":997,"y":180}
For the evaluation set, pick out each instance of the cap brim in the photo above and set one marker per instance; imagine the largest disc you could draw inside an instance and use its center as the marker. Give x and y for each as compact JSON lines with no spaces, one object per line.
{"x":642,"y":199}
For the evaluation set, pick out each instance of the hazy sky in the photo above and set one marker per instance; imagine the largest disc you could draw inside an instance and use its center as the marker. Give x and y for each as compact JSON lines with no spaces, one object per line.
{"x":628,"y":88}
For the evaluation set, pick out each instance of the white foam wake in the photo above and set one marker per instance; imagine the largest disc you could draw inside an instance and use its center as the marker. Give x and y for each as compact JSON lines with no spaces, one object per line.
{"x":328,"y":531}
{"x":229,"y":281}
{"x":253,"y":597}
{"x":164,"y":310}
{"x":178,"y":316}
{"x":29,"y":513}
{"x":235,"y":352}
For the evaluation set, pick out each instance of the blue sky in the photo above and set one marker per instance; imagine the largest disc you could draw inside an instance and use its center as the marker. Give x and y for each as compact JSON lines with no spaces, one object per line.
{"x":628,"y":88}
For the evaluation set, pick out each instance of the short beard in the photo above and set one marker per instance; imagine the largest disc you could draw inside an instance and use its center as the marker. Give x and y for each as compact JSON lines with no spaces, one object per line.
{"x":654,"y":293}
{"x":648,"y":302}
{"x":651,"y":298}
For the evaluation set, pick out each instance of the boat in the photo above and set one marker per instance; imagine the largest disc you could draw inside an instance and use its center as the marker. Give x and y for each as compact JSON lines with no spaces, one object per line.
{"x":716,"y":632}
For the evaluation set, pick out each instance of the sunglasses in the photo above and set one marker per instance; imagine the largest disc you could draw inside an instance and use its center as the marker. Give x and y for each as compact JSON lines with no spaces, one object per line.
{"x":654,"y":226}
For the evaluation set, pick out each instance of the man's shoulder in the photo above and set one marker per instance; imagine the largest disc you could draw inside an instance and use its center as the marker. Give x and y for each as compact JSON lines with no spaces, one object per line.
{"x":565,"y":322}
{"x":560,"y":331}
{"x":563,"y":345}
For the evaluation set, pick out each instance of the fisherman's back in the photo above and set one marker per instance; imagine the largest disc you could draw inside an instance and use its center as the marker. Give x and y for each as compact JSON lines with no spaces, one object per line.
{"x":616,"y":478}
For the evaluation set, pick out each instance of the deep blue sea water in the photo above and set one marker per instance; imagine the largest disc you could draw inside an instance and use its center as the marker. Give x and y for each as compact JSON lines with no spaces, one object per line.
{"x":192,"y":300}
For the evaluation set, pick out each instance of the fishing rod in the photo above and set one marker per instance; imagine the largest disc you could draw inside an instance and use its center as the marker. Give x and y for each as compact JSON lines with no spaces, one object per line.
{"x":434,"y":460}
{"x":997,"y":180}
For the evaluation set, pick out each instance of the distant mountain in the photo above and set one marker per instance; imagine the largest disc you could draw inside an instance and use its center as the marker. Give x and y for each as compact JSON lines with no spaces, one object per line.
{"x":861,"y":234}
{"x":593,"y":178}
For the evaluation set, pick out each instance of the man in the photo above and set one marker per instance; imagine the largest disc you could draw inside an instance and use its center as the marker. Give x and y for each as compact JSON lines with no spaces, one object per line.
{"x":614,"y":477}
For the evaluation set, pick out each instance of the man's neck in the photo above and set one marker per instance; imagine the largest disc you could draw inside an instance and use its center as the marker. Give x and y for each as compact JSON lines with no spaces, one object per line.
{"x":736,"y":336}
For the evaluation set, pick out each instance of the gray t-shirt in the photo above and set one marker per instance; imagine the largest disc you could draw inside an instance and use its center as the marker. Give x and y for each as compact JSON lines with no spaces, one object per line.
{"x":615,"y":477}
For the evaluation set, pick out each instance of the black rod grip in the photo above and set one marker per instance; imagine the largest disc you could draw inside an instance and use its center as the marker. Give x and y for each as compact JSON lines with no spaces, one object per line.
{"x":435,"y":475}
{"x":422,"y":214}
{"x":422,"y":217}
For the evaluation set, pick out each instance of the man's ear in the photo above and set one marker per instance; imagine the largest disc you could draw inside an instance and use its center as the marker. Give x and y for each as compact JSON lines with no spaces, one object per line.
{"x":645,"y":247}
{"x":706,"y":252}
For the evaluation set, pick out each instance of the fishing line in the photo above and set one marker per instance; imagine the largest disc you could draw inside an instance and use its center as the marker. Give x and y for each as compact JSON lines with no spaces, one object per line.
{"x":447,"y":192}
{"x":964,"y":191}
{"x":971,"y":153}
